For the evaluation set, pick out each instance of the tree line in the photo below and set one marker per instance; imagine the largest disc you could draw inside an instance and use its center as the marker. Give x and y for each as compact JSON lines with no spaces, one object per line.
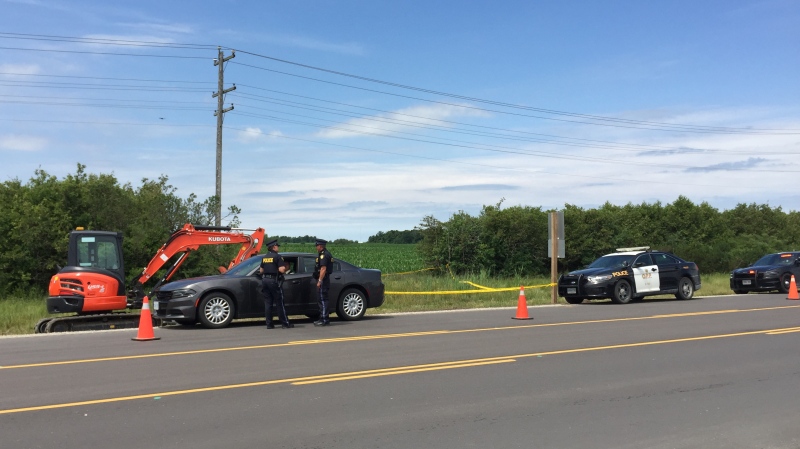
{"x":513,"y":240}
{"x":37,"y":216}
{"x":397,"y":237}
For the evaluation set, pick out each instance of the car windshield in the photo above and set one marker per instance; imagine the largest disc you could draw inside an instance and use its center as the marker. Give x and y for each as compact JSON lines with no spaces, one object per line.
{"x":775,"y":259}
{"x":612,"y":261}
{"x":244,"y":268}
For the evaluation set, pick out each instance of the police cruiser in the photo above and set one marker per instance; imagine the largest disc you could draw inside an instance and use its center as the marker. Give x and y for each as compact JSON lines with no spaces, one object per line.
{"x":771,"y":272}
{"x":629,"y":275}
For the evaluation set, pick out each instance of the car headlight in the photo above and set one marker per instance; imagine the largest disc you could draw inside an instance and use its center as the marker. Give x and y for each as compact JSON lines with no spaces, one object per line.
{"x":182,"y":293}
{"x":770,"y":274}
{"x":598,"y":279}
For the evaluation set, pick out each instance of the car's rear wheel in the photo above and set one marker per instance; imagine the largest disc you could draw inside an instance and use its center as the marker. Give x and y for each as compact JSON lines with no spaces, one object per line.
{"x":216,"y":310}
{"x":740,"y":292}
{"x":352,"y":305}
{"x":685,"y":289}
{"x":786,"y":280}
{"x":574,"y":300}
{"x":622,"y":292}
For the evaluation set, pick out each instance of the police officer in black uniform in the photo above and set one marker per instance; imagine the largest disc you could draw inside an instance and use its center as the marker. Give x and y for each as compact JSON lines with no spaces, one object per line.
{"x":272,"y":269}
{"x":322,"y":273}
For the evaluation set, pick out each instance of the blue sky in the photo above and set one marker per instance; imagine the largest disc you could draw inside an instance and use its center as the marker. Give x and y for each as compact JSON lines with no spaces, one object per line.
{"x":353,"y":117}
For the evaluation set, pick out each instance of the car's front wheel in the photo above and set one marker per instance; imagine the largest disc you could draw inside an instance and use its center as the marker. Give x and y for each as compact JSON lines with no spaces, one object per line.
{"x":786,"y":280}
{"x":622,"y":292}
{"x":685,"y":289}
{"x":740,"y":292}
{"x":574,"y":300}
{"x":352,"y":305}
{"x":215,"y":310}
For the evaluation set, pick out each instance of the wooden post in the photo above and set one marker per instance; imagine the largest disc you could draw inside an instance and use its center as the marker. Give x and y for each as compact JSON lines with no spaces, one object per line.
{"x":554,"y":258}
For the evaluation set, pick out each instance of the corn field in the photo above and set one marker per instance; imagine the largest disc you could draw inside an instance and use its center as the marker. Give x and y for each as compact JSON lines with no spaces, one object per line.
{"x":387,"y":257}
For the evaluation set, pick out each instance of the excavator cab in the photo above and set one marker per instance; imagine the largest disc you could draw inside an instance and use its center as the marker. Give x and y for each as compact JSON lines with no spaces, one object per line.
{"x":94,"y":278}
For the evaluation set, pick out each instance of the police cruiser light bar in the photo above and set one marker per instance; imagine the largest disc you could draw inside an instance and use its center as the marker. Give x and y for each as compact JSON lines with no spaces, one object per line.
{"x":635,"y":248}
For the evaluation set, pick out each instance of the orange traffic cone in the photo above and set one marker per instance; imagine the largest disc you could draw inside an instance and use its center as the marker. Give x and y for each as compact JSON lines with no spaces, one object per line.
{"x":793,"y":290}
{"x":145,"y":324}
{"x":522,"y":306}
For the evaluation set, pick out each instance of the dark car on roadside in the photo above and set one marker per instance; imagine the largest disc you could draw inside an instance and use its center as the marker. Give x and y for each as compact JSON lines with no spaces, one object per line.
{"x":217,"y":300}
{"x":629,"y":275}
{"x":772,"y":272}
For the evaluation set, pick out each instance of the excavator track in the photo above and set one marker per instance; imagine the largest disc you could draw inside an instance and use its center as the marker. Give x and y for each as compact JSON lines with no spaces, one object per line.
{"x":97,"y":322}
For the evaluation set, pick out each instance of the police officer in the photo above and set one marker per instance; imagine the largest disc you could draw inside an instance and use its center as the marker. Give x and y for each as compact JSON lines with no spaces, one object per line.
{"x":322,"y":273}
{"x":272,"y":269}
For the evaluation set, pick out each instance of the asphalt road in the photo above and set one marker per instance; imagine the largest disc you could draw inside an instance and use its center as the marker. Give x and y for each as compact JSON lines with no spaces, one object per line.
{"x":721,"y":372}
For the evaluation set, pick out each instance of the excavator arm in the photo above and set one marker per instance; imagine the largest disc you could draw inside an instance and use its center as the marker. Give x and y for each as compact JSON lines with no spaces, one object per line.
{"x":188,"y":239}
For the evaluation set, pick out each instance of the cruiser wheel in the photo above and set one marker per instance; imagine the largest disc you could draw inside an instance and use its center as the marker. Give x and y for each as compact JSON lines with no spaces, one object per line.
{"x":352,"y":305}
{"x":786,"y":280}
{"x":685,"y":289}
{"x":623,"y":293}
{"x":215,"y":310}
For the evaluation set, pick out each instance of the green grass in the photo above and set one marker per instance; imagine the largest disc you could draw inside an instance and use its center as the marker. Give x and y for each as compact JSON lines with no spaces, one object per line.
{"x":19,"y":313}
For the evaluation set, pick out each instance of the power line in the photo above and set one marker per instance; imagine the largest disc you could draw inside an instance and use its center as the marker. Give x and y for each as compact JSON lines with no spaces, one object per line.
{"x":59,"y":85}
{"x":281,"y":136}
{"x":105,"y":41}
{"x":451,"y":122}
{"x":579,"y":143}
{"x":108,"y":53}
{"x":50,"y":97}
{"x":84,"y":122}
{"x":656,"y":125}
{"x":106,"y":78}
{"x":501,"y":149}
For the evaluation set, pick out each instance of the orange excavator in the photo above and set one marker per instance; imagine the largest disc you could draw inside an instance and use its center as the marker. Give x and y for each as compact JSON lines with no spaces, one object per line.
{"x":92,"y":285}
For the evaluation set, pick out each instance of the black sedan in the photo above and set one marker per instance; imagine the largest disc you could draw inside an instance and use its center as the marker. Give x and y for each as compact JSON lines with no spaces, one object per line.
{"x":771,"y":272}
{"x":215,"y":301}
{"x":629,"y":275}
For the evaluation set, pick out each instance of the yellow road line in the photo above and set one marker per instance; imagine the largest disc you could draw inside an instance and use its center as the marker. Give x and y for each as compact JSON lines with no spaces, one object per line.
{"x":336,"y":377}
{"x":785,"y":331}
{"x":382,"y":336}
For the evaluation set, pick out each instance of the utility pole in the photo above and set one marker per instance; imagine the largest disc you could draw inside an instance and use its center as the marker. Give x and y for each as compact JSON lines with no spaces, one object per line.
{"x":219,"y":94}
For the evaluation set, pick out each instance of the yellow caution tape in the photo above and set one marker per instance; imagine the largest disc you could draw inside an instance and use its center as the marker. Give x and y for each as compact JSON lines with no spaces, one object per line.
{"x":464,"y":292}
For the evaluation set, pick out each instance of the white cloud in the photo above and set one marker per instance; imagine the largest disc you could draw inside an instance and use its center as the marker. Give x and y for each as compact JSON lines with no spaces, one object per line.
{"x":309,"y":43}
{"x":123,"y":39}
{"x":402,"y":120}
{"x":13,"y":142}
{"x":254,"y":134}
{"x":172,"y":28}
{"x":20,"y":69}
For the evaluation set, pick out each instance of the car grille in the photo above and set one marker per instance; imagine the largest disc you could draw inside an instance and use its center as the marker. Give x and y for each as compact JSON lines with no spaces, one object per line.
{"x":164,"y":296}
{"x":570,"y":281}
{"x":755,"y":279}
